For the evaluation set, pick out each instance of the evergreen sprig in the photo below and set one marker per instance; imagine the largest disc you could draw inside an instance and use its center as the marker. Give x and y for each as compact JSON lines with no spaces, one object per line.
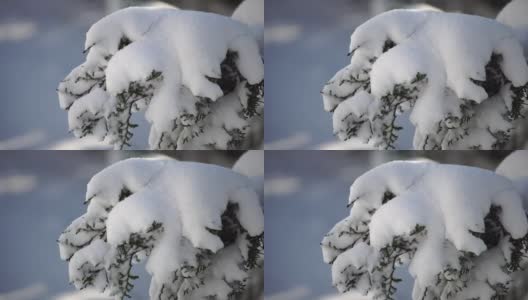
{"x":120,"y":267}
{"x":392,"y":104}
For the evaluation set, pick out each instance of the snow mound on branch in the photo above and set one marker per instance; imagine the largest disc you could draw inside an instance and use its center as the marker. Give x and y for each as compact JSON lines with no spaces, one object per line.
{"x":194,"y":74}
{"x":458,"y":229}
{"x":455,"y":72}
{"x":251,"y":12}
{"x":423,"y":7}
{"x":199,"y":225}
{"x":514,"y":15}
{"x":515,"y":165}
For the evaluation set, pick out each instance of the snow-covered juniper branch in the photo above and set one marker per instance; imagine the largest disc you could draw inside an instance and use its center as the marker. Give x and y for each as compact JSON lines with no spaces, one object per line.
{"x":119,"y":270}
{"x":470,"y":91}
{"x":401,"y":98}
{"x":463,"y":239}
{"x":201,"y":87}
{"x":198,"y":243}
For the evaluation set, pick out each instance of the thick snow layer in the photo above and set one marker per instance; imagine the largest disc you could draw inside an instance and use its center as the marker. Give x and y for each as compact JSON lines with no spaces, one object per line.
{"x":515,"y":165}
{"x":433,"y":63}
{"x":251,"y":164}
{"x":514,"y":15}
{"x":188,"y":200}
{"x":251,"y":12}
{"x":439,"y":212}
{"x":168,"y":63}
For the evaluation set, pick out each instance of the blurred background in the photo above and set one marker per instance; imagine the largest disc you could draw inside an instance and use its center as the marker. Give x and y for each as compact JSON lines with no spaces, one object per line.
{"x":306,"y":43}
{"x":306,"y":195}
{"x":40,"y":43}
{"x":41,"y":193}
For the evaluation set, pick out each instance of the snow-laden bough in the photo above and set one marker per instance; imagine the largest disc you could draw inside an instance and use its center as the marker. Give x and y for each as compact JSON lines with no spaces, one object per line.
{"x":199,"y":228}
{"x":461,"y":231}
{"x":463,"y":80}
{"x":198,"y":77}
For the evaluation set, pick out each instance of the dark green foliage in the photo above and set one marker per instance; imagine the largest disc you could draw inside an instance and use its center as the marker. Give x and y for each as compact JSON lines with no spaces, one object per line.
{"x":254,"y":99}
{"x":392,"y":105}
{"x":230,"y":74}
{"x":387,"y":196}
{"x":90,"y":122}
{"x":127,"y":101}
{"x":519,"y":254}
{"x":237,"y":138}
{"x":230,"y":225}
{"x":389,"y":44}
{"x":356,"y":81}
{"x":353,"y":126}
{"x":125,"y":193}
{"x":93,"y":78}
{"x":91,"y":273}
{"x":120,"y":268}
{"x":520,"y":101}
{"x":391,"y":256}
{"x":495,"y":79}
{"x":494,"y":231}
{"x":189,"y":277}
{"x":230,"y":80}
{"x":357,"y":233}
{"x":453,"y":279}
{"x":256,"y":249}
{"x":232,"y":230}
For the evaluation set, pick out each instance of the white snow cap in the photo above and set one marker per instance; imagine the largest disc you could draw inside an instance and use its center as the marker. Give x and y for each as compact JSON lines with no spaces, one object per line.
{"x":450,"y":202}
{"x":514,"y":14}
{"x":251,"y":12}
{"x":515,"y":165}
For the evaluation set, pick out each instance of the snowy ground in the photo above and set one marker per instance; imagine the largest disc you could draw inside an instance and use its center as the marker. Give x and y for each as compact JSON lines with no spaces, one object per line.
{"x":41,"y":192}
{"x":306,"y":194}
